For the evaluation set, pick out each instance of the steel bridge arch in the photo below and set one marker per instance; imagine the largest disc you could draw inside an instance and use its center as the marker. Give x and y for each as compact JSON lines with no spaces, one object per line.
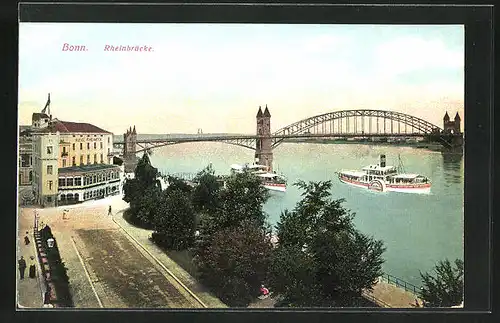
{"x":245,"y":144}
{"x":305,"y":124}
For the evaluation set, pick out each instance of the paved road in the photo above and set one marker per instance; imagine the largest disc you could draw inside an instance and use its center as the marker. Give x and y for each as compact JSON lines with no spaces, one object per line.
{"x":127,"y":273}
{"x":113,"y":267}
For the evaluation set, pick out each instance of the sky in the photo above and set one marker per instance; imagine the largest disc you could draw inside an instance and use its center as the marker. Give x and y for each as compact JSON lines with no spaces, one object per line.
{"x":215,"y":76}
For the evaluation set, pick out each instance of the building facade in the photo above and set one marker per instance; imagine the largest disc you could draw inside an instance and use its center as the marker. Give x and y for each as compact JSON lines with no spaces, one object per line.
{"x":83,"y":183}
{"x":45,"y":168}
{"x":25,"y":157}
{"x":72,"y":162}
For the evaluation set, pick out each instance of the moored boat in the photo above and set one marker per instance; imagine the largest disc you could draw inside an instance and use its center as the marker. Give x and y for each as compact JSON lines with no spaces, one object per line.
{"x":270,"y":180}
{"x":382,"y":178}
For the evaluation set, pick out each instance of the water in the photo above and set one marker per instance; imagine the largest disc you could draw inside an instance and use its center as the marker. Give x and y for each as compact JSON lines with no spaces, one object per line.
{"x":418,"y":230}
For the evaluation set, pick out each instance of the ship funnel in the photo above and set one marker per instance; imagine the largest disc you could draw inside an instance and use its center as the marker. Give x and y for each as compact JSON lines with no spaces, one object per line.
{"x":382,"y":160}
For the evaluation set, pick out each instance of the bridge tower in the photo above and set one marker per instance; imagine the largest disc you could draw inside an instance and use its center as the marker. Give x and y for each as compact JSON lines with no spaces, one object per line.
{"x":263,"y":149}
{"x":451,"y":129}
{"x":129,"y":149}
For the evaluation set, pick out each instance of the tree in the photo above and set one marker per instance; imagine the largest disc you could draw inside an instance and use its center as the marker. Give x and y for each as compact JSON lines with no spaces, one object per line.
{"x":242,"y":199}
{"x":446,"y":288}
{"x":141,"y":192}
{"x":321,"y":259}
{"x":205,"y":199}
{"x":177,"y":184}
{"x":235,"y":262}
{"x":174,"y":220}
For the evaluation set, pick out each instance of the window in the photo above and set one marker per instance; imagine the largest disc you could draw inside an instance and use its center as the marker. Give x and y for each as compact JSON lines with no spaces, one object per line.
{"x":50,"y":185}
{"x":73,"y":161}
{"x":81,"y":159}
{"x":88,"y":145}
{"x":94,"y":179}
{"x":64,"y":150}
{"x":78,"y":181}
{"x":64,"y":162}
{"x":81,"y":145}
{"x":95,"y":158}
{"x":101,"y":144}
{"x":49,"y":199}
{"x":88,"y":159}
{"x":73,"y":146}
{"x":69,"y":182}
{"x":102,"y":160}
{"x":95,"y":145}
{"x":49,"y":149}
{"x":62,"y":182}
{"x":109,"y":139}
{"x":49,"y":169}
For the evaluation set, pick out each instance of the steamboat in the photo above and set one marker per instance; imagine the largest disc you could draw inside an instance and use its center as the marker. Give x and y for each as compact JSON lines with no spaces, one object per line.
{"x":270,"y":180}
{"x":386,"y":178}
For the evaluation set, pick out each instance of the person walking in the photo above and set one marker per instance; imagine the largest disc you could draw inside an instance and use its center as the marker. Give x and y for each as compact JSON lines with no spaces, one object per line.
{"x":26,"y":239}
{"x":22,"y":266}
{"x":32,"y":271}
{"x":109,"y":210}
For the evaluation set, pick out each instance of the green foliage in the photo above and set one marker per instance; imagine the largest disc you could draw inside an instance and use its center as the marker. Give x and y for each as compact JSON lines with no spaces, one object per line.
{"x":174,"y":220}
{"x":233,"y":250}
{"x":446,"y":288}
{"x":235,"y":261}
{"x":142,"y":193}
{"x":205,"y":194}
{"x":321,"y":259}
{"x":241,"y":199}
{"x":177,"y":184}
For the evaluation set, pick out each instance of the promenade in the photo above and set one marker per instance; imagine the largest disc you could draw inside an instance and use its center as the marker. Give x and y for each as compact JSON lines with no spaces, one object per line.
{"x":112,"y":264}
{"x":29,"y":290}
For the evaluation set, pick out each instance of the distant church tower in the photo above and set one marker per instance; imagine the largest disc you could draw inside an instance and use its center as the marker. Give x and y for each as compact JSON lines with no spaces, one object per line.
{"x":263,"y":149}
{"x":451,"y":126}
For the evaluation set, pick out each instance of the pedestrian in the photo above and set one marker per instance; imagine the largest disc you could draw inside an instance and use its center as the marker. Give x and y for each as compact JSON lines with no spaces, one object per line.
{"x":32,"y":271}
{"x":22,"y":266}
{"x":26,"y":239}
{"x":109,"y":210}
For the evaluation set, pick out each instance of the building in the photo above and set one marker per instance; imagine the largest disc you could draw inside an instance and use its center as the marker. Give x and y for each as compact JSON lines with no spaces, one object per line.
{"x":25,"y":156}
{"x":72,"y":161}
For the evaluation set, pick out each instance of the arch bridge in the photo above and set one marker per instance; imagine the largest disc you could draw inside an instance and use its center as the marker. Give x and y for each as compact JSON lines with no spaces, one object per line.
{"x":364,"y":123}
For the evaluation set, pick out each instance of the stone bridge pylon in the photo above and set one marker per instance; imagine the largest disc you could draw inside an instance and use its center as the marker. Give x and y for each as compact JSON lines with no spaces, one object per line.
{"x":130,"y":150}
{"x":263,"y":147}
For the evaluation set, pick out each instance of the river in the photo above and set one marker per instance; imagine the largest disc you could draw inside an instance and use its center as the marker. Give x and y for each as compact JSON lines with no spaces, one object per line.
{"x":417,"y":230}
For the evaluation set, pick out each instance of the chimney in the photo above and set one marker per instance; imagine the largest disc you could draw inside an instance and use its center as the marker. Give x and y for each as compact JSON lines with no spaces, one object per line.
{"x":382,"y":160}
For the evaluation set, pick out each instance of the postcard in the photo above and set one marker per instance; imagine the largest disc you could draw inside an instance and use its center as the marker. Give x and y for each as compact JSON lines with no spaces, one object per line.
{"x":240,"y":166}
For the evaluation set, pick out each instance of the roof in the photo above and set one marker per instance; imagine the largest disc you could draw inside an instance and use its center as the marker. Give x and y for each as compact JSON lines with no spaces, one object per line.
{"x":86,"y":168}
{"x":352,"y":173}
{"x":259,"y":114}
{"x":378,"y":167}
{"x":266,"y":112}
{"x":72,"y":127}
{"x":457,"y":117}
{"x":446,"y":116}
{"x":38,"y":116}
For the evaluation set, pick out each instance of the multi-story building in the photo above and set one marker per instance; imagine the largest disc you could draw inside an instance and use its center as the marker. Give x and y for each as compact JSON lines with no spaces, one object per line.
{"x":25,"y":156}
{"x":72,"y":161}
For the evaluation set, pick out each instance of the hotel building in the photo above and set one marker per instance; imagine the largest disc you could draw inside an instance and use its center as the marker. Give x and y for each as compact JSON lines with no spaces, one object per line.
{"x":72,"y":162}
